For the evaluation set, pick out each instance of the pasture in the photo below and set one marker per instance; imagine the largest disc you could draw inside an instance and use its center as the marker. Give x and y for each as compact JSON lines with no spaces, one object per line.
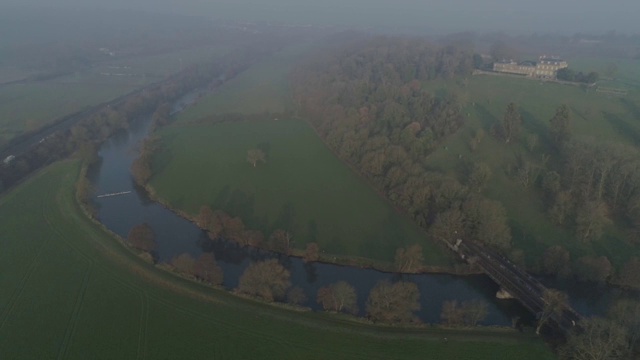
{"x":71,"y":291}
{"x":302,"y":188}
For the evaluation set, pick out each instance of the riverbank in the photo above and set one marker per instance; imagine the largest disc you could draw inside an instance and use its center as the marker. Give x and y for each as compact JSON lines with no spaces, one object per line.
{"x":335,"y":259}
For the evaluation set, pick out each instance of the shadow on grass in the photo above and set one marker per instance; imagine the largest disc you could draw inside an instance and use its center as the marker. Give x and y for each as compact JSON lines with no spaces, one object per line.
{"x":239,"y":203}
{"x":285,"y":219}
{"x":486,"y":118}
{"x":535,"y":126}
{"x":631,"y":107}
{"x":622,"y":127}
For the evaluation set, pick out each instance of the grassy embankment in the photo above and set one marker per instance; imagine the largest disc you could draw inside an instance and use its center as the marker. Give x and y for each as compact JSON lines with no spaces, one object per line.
{"x":71,"y":291}
{"x":302,"y":188}
{"x":605,"y":118}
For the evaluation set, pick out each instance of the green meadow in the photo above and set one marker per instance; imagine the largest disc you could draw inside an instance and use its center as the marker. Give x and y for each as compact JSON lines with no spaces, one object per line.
{"x":72,"y":291}
{"x":594,"y":115}
{"x":302,"y":188}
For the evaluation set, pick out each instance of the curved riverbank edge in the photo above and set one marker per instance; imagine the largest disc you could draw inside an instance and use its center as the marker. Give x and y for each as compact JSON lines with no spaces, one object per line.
{"x":334,"y":259}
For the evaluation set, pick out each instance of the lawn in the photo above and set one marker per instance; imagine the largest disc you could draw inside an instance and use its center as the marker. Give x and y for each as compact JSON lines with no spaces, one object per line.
{"x":593,"y":115}
{"x":302,"y":188}
{"x":71,"y":291}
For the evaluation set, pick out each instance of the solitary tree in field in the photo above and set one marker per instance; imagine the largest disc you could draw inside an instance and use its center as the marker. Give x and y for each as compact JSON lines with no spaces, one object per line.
{"x":256,"y":155}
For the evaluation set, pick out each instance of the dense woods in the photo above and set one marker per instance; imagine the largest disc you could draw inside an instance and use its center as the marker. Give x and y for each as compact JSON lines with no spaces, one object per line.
{"x":366,"y":100}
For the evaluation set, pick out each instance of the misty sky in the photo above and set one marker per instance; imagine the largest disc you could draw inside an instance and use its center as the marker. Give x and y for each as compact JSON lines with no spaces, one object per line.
{"x":542,"y":16}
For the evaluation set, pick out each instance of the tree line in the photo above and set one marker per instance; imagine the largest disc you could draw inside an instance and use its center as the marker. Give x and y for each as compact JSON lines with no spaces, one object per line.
{"x":388,"y":302}
{"x":368,"y":103}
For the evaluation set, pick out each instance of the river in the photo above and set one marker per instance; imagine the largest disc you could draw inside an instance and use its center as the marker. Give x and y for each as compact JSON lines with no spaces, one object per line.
{"x":176,"y":235}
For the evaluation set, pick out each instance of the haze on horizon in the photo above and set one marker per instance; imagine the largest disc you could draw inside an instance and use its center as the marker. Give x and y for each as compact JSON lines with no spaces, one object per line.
{"x":518,"y":16}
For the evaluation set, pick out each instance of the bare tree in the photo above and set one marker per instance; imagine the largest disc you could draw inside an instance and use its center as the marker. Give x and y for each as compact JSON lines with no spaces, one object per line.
{"x":296,"y":296}
{"x":554,"y":304}
{"x":266,"y":279}
{"x":280,"y":241}
{"x":468,"y":313}
{"x":183,"y":264}
{"x":590,"y":220}
{"x":452,"y":314}
{"x":409,"y":259}
{"x":338,"y":297}
{"x":142,"y":237}
{"x":479,"y":176}
{"x":630,"y":274}
{"x":556,"y":261}
{"x":206,"y":269}
{"x":597,"y":339}
{"x":256,"y":155}
{"x":312,"y":252}
{"x":394,"y":303}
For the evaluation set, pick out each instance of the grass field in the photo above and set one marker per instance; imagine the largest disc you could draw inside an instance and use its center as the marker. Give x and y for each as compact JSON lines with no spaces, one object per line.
{"x":594,"y":115}
{"x":70,"y":291}
{"x":301,"y":188}
{"x":262,"y":88}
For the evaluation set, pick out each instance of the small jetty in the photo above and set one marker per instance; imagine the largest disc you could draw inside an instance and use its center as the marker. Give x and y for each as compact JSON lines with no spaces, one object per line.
{"x":114,"y":194}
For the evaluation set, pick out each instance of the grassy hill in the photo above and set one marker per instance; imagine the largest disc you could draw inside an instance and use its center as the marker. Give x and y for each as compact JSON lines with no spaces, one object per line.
{"x":71,"y":291}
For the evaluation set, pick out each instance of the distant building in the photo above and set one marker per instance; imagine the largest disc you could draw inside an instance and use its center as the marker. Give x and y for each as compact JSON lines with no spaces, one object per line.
{"x":546,"y":68}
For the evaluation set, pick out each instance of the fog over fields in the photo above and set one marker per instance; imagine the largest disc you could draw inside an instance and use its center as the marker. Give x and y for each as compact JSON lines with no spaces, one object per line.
{"x":521,"y":16}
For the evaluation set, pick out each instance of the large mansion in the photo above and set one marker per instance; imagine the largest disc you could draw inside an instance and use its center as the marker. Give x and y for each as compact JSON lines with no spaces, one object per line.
{"x":546,"y":68}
